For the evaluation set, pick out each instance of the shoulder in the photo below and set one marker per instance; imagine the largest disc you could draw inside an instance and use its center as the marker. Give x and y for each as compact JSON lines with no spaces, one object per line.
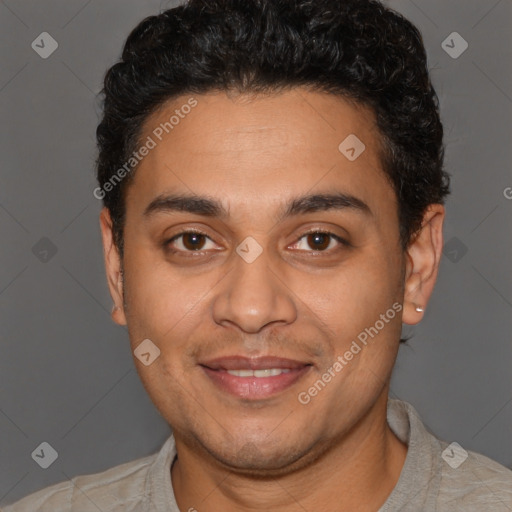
{"x":443,"y":476}
{"x":119,"y":488}
{"x":474,"y":481}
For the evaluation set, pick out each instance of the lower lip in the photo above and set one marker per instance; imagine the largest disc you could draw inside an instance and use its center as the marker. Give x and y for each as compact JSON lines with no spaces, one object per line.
{"x":254,"y":388}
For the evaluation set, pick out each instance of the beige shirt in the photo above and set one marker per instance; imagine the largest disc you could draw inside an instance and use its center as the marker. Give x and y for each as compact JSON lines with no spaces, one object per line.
{"x":435,"y":478}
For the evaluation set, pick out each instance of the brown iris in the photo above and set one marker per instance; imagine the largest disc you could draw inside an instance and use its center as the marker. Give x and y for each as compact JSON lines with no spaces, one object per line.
{"x":319,"y":241}
{"x":193,"y":241}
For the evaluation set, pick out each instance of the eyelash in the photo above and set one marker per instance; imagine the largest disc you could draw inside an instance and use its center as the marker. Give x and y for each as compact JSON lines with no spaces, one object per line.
{"x":338,"y":239}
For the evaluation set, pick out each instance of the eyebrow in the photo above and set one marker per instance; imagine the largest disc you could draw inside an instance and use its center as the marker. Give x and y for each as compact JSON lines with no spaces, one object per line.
{"x":208,"y":207}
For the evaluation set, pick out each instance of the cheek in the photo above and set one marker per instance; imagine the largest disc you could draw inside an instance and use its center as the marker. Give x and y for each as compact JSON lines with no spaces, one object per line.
{"x":356,"y":294}
{"x":361,"y":307}
{"x":162,"y":300}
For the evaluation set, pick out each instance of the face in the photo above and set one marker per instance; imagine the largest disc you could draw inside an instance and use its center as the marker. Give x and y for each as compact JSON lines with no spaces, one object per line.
{"x":256,"y":255}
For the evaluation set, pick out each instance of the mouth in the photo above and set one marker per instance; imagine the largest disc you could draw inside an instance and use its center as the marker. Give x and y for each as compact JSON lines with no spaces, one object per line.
{"x":254,"y":378}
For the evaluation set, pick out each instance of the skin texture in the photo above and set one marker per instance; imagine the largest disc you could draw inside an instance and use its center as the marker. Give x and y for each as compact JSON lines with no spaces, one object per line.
{"x":254,"y":154}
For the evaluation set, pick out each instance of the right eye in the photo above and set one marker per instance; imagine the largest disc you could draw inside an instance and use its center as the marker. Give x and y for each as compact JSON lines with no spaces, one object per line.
{"x":188,"y":241}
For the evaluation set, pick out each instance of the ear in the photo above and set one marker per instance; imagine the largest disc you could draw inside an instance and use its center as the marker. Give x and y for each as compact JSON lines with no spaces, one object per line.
{"x":422,"y":259}
{"x":112,"y":267}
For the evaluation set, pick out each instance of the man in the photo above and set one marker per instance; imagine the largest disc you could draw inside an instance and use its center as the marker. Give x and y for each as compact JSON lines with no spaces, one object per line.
{"x":273,"y":187}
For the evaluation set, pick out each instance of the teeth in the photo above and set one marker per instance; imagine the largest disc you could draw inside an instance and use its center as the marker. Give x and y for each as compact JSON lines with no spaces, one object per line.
{"x":268,"y":372}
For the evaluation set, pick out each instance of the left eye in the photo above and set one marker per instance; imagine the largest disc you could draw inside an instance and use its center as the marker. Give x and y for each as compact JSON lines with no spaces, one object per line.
{"x":318,"y":241}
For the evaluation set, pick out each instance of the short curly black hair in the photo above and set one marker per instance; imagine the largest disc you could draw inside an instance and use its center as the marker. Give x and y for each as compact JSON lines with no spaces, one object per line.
{"x":358,"y":49}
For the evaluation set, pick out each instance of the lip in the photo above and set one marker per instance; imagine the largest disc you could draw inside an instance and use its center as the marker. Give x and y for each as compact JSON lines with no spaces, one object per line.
{"x":253,"y":363}
{"x":254,"y":388}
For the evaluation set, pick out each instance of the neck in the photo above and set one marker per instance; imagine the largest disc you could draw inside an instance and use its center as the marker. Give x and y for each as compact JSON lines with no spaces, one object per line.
{"x":358,"y":472}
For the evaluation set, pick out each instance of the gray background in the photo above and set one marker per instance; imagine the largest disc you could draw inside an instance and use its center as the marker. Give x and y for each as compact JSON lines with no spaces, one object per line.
{"x":66,"y":373}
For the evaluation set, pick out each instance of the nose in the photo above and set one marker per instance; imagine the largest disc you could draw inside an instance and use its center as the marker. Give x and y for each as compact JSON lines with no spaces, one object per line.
{"x":254,"y":295}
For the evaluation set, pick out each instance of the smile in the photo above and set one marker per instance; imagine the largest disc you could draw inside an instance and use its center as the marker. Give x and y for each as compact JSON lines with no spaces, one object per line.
{"x":269,"y":372}
{"x":254,"y":378}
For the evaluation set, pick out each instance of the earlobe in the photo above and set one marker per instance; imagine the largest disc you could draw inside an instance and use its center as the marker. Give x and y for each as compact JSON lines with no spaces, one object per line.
{"x":423,"y":256}
{"x":113,"y":268}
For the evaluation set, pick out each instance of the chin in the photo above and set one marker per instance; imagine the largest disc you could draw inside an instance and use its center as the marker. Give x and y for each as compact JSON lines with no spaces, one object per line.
{"x":256,"y":459}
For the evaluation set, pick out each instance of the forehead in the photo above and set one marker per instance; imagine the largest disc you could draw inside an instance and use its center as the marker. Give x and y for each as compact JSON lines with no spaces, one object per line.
{"x":254,"y":149}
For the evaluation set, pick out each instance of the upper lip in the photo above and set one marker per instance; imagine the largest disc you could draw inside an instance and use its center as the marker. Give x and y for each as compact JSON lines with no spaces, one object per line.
{"x":253,"y":363}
